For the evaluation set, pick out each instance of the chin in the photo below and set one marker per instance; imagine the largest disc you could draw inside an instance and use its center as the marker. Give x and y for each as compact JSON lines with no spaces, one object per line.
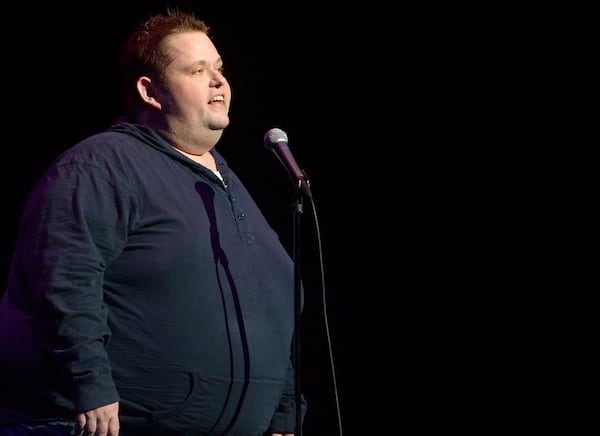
{"x":220,"y":125}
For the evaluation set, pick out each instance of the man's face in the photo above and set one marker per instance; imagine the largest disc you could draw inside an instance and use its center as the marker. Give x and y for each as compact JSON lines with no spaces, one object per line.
{"x":199,"y":93}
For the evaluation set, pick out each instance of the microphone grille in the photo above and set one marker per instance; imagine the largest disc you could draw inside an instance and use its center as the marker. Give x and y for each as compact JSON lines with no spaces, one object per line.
{"x":274,"y":136}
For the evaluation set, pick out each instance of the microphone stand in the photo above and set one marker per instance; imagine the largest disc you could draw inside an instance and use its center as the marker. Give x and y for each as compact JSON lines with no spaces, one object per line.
{"x":297,"y":210}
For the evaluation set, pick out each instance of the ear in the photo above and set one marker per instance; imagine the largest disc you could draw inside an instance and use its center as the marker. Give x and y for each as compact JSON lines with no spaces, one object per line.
{"x":148,"y":92}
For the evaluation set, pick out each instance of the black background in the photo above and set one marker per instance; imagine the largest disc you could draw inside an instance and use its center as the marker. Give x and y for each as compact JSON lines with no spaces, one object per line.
{"x":450,"y":151}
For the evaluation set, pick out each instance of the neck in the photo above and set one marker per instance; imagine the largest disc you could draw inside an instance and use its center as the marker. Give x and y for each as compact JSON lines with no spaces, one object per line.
{"x":205,"y":159}
{"x":189,"y":141}
{"x":186,"y":152}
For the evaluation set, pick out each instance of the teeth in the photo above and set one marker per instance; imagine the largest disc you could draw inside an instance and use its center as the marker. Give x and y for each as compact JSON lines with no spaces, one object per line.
{"x":218,"y":98}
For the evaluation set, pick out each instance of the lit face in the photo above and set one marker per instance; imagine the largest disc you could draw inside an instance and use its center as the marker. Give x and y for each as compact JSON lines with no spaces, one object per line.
{"x":199,"y":94}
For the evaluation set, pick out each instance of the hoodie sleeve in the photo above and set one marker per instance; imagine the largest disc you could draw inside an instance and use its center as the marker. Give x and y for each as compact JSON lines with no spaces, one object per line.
{"x":75,"y":223}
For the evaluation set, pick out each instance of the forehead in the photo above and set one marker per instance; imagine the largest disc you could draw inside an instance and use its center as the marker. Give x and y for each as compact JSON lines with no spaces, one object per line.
{"x":192,"y":46}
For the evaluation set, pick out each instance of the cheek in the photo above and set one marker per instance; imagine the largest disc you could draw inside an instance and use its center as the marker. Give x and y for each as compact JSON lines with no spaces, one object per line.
{"x":190,"y":97}
{"x":188,"y":90}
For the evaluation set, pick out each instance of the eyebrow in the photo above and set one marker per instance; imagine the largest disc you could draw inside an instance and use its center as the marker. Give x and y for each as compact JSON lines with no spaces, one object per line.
{"x":205,"y":62}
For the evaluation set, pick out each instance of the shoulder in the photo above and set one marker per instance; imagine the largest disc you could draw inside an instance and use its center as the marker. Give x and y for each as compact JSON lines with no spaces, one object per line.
{"x":103,"y":148}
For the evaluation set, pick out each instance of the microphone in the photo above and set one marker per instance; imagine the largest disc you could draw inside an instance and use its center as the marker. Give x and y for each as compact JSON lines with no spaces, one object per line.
{"x":276,"y":140}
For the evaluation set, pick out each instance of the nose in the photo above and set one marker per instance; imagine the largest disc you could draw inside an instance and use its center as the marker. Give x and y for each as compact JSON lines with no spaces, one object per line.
{"x":218,"y":79}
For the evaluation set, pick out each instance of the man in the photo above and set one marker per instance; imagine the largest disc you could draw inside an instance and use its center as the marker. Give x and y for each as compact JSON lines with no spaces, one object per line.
{"x":147,"y":292}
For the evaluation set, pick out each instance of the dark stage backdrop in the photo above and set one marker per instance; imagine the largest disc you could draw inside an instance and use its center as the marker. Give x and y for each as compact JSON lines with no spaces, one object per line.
{"x":449,"y":146}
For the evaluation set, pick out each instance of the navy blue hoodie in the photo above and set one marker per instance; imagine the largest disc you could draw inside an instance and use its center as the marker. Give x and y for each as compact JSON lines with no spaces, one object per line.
{"x":140,"y":277}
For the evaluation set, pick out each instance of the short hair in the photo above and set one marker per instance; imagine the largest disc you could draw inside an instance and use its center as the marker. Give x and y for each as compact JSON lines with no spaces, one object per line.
{"x":145,"y":52}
